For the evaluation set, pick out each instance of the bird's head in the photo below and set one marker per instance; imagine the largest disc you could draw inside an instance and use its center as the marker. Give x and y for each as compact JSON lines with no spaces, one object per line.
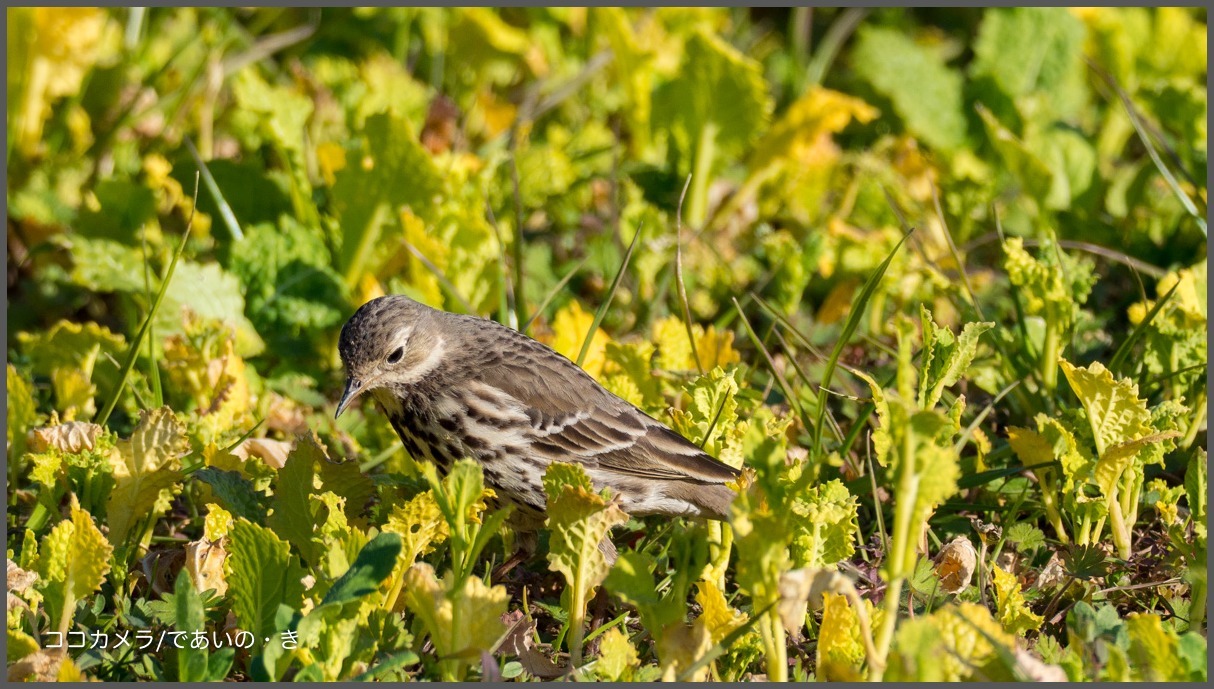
{"x":390,"y":342}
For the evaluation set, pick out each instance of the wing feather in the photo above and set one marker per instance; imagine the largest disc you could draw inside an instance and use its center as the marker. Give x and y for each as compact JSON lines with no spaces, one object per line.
{"x":573,"y":418}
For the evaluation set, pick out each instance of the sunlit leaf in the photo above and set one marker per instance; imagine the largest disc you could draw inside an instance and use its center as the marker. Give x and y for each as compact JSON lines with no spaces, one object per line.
{"x":1014,"y":613}
{"x":144,"y":465}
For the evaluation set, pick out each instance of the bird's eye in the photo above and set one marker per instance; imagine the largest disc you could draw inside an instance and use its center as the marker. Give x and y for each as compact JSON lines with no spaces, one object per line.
{"x":396,"y":355}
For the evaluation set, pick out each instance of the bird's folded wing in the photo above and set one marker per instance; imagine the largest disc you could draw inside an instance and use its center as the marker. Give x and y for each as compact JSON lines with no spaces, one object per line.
{"x":630,"y":443}
{"x":574,"y":419}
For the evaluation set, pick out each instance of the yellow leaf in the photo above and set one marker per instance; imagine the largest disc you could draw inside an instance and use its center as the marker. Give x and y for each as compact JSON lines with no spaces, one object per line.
{"x":1030,"y":446}
{"x":144,"y":465}
{"x":838,"y":301}
{"x":421,"y":277}
{"x":203,"y":365}
{"x":74,"y":561}
{"x":680,"y":646}
{"x":674,"y":349}
{"x":569,"y":328}
{"x":840,"y":646}
{"x":817,"y":114}
{"x":719,"y":618}
{"x":56,"y":47}
{"x":1154,"y":649}
{"x":579,"y":519}
{"x":617,"y":657}
{"x":968,"y":647}
{"x":20,"y":645}
{"x":420,"y":525}
{"x":461,"y":618}
{"x":369,"y":288}
{"x":1117,"y":416}
{"x":497,"y":113}
{"x":1014,"y":613}
{"x":331,"y":159}
{"x":217,"y":523}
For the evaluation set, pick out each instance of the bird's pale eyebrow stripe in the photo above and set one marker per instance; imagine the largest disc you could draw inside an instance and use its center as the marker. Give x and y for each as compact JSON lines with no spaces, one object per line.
{"x":401,"y":337}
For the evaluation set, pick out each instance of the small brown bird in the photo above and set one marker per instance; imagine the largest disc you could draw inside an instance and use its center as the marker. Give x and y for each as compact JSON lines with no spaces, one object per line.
{"x":458,"y":386}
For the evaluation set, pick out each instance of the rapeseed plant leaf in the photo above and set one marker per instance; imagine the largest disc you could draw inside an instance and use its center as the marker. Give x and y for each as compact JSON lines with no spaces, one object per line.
{"x":1013,"y":611}
{"x":263,"y":574}
{"x":72,"y":565}
{"x":144,"y":465}
{"x":462,"y":618}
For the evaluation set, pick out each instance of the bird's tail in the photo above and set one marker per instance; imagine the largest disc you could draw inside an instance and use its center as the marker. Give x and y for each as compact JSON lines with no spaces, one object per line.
{"x":711,"y":499}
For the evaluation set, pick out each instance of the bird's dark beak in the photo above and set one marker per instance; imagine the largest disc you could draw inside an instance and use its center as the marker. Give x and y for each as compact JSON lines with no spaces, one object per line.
{"x":354,"y":388}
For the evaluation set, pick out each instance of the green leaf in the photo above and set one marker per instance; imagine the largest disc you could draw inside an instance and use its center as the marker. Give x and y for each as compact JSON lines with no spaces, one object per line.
{"x":1033,"y":50}
{"x":288,"y":283}
{"x":280,"y":112}
{"x":330,"y":633}
{"x":925,"y":92}
{"x":106,"y":265}
{"x":1024,"y":536}
{"x":347,"y":480}
{"x":1033,"y":175}
{"x":631,"y":578}
{"x":373,"y":564}
{"x":386,"y":169}
{"x":123,"y":208}
{"x":1052,"y":283}
{"x":709,"y":419}
{"x":263,"y":574}
{"x":1195,"y":485}
{"x":211,"y":293}
{"x":292,"y":516}
{"x":1071,"y":158}
{"x":716,"y":108}
{"x":190,"y":618}
{"x":462,"y":498}
{"x":235,"y":492}
{"x":634,"y":67}
{"x":947,"y":357}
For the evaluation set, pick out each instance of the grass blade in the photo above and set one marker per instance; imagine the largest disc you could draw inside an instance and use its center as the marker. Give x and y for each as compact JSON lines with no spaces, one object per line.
{"x":1128,"y":343}
{"x":225,"y":211}
{"x":784,"y":386}
{"x":678,"y":276}
{"x":505,"y":308}
{"x":1139,"y":127}
{"x":834,"y":39}
{"x":552,"y":294}
{"x":133,"y":352}
{"x":443,"y":280}
{"x":153,"y":369}
{"x":849,"y":328}
{"x":615,"y":284}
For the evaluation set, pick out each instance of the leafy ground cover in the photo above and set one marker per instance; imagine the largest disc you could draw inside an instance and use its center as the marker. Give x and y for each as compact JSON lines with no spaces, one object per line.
{"x":934,"y":278}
